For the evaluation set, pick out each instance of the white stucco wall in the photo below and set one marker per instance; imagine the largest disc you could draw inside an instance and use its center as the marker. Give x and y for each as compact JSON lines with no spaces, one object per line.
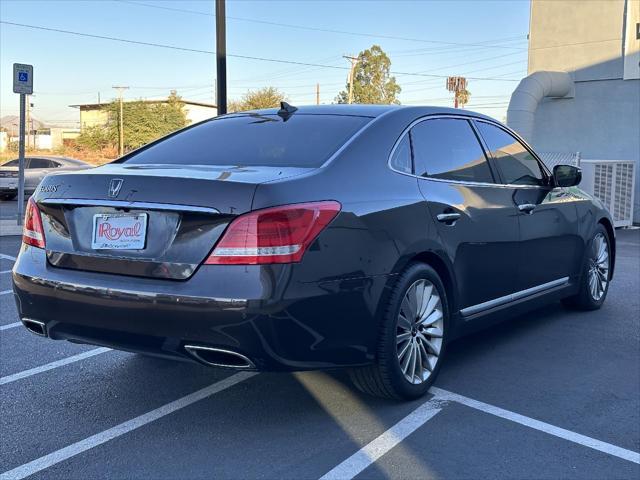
{"x":197,"y":113}
{"x":587,"y":39}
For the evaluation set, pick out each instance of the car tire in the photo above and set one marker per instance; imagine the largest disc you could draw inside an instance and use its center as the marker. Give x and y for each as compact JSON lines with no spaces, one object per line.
{"x":386,"y":377}
{"x":8,"y":196}
{"x":590,"y":296}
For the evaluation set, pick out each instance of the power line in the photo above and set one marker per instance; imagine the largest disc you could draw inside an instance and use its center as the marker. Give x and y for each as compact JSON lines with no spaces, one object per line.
{"x":245,"y":57}
{"x":316,"y":29}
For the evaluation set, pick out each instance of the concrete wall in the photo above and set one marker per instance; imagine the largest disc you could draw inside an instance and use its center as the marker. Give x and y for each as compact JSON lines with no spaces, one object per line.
{"x":197,"y":113}
{"x":90,"y":117}
{"x":577,"y":36}
{"x":586,"y":39}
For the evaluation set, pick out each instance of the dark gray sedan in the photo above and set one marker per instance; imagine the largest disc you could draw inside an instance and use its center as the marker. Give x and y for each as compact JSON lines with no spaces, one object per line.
{"x":356,"y":236}
{"x":36,"y":168}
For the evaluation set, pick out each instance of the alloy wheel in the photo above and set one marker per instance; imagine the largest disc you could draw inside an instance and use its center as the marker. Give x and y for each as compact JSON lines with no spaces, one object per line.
{"x":420,"y":331}
{"x":599,"y":267}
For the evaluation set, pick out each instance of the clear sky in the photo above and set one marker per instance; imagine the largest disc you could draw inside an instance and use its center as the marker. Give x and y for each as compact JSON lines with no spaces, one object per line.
{"x":484,"y":40}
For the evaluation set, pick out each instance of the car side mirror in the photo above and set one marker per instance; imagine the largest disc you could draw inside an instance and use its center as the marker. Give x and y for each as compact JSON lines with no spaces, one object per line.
{"x":566,"y":175}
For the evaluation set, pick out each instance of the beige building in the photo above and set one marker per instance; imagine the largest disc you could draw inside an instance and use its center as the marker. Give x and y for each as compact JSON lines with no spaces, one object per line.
{"x":93,"y":114}
{"x":582,"y":93}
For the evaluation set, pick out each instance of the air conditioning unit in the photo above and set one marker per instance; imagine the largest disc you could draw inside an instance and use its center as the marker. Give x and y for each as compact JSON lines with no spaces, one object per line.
{"x":613,"y":183}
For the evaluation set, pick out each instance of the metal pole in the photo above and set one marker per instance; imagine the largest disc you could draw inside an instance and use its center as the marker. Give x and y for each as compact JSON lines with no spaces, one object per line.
{"x":317,"y":94}
{"x":121,"y":126}
{"x":121,"y":144}
{"x":221,"y":57}
{"x":23,"y":104}
{"x":354,"y":61}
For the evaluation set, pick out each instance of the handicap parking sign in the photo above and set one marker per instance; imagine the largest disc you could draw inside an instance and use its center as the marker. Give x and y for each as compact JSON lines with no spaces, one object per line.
{"x":22,"y":78}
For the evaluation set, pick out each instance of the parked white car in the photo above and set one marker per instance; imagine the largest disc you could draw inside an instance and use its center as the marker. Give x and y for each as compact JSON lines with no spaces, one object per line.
{"x":36,"y":168}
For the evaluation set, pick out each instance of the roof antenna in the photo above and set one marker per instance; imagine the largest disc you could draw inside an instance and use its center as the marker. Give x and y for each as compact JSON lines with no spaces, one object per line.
{"x":286,"y":110}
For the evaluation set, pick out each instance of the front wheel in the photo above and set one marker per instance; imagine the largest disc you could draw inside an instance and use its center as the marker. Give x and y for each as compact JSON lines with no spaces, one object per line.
{"x":412,"y":338}
{"x":594,"y":281}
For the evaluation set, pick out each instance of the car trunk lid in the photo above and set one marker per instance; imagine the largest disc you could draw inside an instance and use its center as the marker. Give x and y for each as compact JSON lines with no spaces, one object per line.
{"x":183,"y":211}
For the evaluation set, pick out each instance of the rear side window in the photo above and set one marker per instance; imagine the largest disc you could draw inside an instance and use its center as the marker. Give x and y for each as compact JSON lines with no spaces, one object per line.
{"x":41,"y":163}
{"x":516,"y":164}
{"x":448,"y":149}
{"x":401,"y":159}
{"x":255,"y":139}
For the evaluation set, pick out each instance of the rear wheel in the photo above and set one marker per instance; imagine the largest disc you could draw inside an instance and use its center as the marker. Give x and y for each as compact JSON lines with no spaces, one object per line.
{"x":412,"y":338}
{"x":594,"y":281}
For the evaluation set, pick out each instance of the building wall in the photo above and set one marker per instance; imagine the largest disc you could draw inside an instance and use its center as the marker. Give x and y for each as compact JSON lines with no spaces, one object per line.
{"x":587,"y":39}
{"x":90,"y":117}
{"x":197,"y":113}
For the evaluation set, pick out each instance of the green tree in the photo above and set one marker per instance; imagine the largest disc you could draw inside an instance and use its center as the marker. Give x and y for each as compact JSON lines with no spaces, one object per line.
{"x":267,"y":97}
{"x":372,"y":82}
{"x":143,"y":122}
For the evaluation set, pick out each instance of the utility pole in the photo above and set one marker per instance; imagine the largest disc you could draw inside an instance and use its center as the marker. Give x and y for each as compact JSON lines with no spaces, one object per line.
{"x":121,"y":129}
{"x":28,"y":122}
{"x":354,"y":62}
{"x":317,"y":94}
{"x":221,"y":58}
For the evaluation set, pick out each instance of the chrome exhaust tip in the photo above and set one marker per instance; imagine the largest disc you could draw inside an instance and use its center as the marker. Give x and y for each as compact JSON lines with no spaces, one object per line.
{"x":217,"y":357}
{"x":35,"y":326}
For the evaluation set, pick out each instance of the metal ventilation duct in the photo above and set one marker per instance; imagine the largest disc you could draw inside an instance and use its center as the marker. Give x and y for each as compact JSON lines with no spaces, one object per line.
{"x":529,"y":93}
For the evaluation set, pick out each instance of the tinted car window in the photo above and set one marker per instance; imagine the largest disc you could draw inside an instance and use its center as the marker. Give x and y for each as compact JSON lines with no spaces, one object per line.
{"x":401,"y":159}
{"x":515,"y":162}
{"x":40,"y":163}
{"x":12,"y":163}
{"x":248,"y":140}
{"x":449,"y":149}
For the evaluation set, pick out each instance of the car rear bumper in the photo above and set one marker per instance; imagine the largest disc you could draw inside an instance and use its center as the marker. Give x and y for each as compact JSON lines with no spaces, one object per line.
{"x":261,"y":312}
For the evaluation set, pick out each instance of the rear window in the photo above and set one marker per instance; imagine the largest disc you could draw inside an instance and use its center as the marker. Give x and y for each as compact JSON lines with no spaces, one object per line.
{"x":252,"y":140}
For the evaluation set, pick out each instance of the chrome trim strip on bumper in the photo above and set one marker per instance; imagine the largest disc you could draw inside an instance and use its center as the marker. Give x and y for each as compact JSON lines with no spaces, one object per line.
{"x":126,"y":204}
{"x":513,"y":297}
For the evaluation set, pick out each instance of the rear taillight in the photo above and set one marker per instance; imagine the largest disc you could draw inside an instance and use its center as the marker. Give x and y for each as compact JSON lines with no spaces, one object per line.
{"x":32,"y":232}
{"x":273,"y":235}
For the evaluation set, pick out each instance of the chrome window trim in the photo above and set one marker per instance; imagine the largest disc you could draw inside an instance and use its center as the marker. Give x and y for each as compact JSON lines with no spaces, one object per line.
{"x":127,"y":204}
{"x":480,"y":307}
{"x":458,"y":182}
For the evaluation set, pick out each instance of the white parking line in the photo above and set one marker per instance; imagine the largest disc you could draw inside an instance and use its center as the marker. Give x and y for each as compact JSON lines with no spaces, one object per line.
{"x":5,"y":292}
{"x":540,"y":426}
{"x":7,"y":257}
{"x":10,"y":325}
{"x":5,"y":271}
{"x":375,"y":449}
{"x":52,"y":365}
{"x":81,"y":446}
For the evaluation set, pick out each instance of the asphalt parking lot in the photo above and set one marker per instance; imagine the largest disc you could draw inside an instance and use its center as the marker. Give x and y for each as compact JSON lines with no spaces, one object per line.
{"x":552,"y":394}
{"x":9,"y":209}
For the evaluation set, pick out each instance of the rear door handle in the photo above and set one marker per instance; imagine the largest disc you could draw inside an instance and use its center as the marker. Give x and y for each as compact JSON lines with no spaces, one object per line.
{"x":527,"y":207}
{"x":448,"y":218}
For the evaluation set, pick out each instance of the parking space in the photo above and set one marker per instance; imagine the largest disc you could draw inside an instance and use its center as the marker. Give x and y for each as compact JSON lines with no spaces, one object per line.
{"x":551,"y":394}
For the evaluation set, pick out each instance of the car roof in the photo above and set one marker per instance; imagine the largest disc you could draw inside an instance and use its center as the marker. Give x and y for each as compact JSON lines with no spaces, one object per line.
{"x":373,"y":111}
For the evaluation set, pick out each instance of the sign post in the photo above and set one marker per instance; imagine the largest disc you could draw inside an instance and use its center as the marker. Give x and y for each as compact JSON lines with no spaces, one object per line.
{"x":22,"y":84}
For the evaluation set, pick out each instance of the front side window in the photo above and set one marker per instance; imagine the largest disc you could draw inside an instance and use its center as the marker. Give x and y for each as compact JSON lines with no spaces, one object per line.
{"x":401,"y":159}
{"x":517,"y":165}
{"x":448,"y":149}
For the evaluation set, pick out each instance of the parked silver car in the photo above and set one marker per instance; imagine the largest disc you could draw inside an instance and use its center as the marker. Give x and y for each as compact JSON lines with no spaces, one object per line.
{"x":36,"y":168}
